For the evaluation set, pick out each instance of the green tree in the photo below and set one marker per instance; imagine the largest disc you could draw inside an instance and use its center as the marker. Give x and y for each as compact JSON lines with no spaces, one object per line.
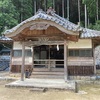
{"x":91,"y":8}
{"x":97,"y":25}
{"x":8,"y":15}
{"x":24,"y":9}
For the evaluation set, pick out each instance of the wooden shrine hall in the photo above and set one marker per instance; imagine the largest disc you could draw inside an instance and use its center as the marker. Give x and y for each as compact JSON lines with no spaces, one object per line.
{"x":47,"y":43}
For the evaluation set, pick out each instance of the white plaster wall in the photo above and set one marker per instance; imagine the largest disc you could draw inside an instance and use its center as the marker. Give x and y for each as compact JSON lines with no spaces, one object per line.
{"x":18,"y":46}
{"x":82,"y":43}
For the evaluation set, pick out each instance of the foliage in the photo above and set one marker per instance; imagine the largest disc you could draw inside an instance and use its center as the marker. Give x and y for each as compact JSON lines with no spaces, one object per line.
{"x":24,"y":9}
{"x":8,"y":15}
{"x":96,"y":26}
{"x":13,"y":12}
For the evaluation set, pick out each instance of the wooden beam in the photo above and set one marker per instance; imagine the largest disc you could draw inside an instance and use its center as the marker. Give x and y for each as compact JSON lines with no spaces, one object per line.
{"x":65,"y":61}
{"x":30,"y":43}
{"x":23,"y":61}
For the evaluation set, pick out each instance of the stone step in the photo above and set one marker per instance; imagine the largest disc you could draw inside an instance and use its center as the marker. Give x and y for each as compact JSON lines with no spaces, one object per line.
{"x":38,"y":89}
{"x":43,"y":83}
{"x":47,"y":73}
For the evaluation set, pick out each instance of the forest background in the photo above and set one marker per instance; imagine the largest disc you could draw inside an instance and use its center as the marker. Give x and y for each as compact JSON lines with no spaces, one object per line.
{"x":84,"y":12}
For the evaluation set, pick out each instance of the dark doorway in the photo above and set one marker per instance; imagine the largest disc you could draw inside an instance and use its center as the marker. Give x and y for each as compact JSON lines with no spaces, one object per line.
{"x":49,"y":53}
{"x":58,"y":55}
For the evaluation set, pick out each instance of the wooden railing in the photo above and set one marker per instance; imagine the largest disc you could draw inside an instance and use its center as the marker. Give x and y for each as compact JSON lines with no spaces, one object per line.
{"x":48,"y":63}
{"x":72,"y":61}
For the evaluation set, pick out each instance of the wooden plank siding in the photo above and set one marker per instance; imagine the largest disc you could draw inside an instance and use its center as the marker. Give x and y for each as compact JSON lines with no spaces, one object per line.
{"x":80,"y":70}
{"x":76,"y":65}
{"x":17,"y":68}
{"x":72,"y":70}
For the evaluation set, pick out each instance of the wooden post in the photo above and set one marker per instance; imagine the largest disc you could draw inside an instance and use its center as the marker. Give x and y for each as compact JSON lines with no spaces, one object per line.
{"x":23,"y":61}
{"x":65,"y":61}
{"x":32,"y":57}
{"x":94,"y":58}
{"x":11,"y":54}
{"x":76,"y":87}
{"x":49,"y":60}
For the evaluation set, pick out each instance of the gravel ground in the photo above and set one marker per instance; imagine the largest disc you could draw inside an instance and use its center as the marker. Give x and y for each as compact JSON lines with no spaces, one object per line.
{"x":86,"y":92}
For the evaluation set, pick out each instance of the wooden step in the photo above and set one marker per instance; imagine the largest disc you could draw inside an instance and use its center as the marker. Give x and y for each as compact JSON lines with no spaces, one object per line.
{"x":47,"y":76}
{"x":54,"y":75}
{"x":47,"y":70}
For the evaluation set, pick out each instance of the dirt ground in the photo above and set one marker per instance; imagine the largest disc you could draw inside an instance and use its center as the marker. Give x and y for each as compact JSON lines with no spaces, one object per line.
{"x":87,"y":92}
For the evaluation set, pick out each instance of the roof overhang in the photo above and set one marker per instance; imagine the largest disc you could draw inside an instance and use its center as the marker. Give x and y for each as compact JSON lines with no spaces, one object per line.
{"x":41,"y":17}
{"x":41,"y":21}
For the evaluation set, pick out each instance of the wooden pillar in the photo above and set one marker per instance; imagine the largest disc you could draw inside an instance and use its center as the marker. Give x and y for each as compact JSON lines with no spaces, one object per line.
{"x":65,"y":61}
{"x":32,"y":57}
{"x":23,"y":61}
{"x":94,"y":58}
{"x":49,"y":60}
{"x":10,"y":65}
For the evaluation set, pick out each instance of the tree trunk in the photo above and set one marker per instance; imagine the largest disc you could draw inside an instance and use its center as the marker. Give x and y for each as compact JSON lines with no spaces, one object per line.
{"x":53,"y":4}
{"x":63,"y":8}
{"x":79,"y":16}
{"x":45,"y":5}
{"x":97,"y":9}
{"x":85,"y":15}
{"x":34,"y":6}
{"x":68,"y":9}
{"x":21,"y":13}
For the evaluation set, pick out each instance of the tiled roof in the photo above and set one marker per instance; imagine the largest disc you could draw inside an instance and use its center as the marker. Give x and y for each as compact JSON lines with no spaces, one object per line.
{"x":88,"y":33}
{"x":53,"y":17}
{"x":4,"y":38}
{"x":85,"y":33}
